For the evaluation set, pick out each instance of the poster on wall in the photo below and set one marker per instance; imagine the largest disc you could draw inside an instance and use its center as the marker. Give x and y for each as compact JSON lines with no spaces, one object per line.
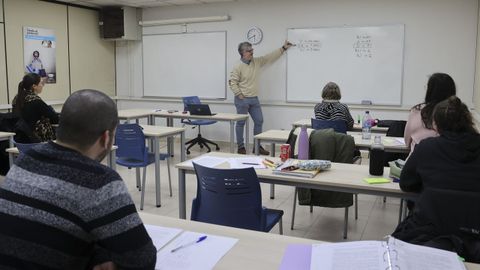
{"x":39,"y":52}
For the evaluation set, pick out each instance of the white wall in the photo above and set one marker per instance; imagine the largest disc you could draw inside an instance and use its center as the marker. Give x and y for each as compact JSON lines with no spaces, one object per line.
{"x":440,"y":36}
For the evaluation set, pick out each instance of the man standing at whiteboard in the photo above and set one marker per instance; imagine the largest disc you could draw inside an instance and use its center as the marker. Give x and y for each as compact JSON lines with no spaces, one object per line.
{"x":244,"y":84}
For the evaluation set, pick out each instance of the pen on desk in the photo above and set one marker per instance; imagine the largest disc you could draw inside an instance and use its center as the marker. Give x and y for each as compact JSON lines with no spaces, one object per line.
{"x":189,"y":244}
{"x":268,"y":164}
{"x":268,"y":160}
{"x":250,"y":163}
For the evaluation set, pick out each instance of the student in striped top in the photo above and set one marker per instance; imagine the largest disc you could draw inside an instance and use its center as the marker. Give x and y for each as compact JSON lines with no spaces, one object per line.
{"x":60,"y":208}
{"x":330,"y":108}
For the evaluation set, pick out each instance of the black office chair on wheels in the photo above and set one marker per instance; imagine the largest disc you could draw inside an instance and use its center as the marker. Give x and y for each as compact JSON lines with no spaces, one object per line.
{"x":201,"y":141}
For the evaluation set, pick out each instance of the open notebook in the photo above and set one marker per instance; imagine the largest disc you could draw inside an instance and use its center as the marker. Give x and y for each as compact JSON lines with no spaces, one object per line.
{"x":392,"y":254}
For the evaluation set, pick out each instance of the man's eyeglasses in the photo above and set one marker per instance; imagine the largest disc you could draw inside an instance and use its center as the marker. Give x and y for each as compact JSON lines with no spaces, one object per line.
{"x":251,"y":50}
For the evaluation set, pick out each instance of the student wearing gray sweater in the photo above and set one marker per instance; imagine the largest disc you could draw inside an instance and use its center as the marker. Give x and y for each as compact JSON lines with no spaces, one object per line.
{"x":60,"y":208}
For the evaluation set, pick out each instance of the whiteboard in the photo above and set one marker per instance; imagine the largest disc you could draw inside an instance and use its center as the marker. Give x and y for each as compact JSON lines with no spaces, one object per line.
{"x":366,"y":63}
{"x":185,"y":64}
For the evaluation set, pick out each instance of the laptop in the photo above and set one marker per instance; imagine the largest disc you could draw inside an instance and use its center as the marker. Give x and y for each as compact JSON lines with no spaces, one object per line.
{"x":199,"y":109}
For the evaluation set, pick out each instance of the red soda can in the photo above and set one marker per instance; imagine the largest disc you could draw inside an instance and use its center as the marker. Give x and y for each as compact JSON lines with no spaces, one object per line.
{"x":284,"y":151}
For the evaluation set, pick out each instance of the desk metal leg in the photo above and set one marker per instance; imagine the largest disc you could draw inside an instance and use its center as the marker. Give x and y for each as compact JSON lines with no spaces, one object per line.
{"x":247,"y":135}
{"x":182,"y":209}
{"x":156,"y":145}
{"x":182,"y":146}
{"x":232,"y":137}
{"x":170,"y":139}
{"x":272,"y":154}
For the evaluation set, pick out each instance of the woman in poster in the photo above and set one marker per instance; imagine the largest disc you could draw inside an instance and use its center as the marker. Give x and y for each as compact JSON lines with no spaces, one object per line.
{"x":36,"y":66}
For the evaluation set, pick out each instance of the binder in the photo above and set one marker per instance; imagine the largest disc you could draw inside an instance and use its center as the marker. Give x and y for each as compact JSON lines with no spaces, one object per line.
{"x":390,"y":254}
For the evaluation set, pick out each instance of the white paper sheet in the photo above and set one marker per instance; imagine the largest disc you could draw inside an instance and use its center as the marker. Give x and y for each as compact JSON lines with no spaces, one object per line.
{"x":360,"y":255}
{"x":199,"y":256}
{"x":161,"y":235}
{"x":208,"y":161}
{"x":423,"y":258}
{"x":246,"y":162}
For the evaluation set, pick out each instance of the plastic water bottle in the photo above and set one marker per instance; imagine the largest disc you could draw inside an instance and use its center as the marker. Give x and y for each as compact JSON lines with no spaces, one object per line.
{"x":367,"y":126}
{"x":303,"y":143}
{"x":377,"y":156}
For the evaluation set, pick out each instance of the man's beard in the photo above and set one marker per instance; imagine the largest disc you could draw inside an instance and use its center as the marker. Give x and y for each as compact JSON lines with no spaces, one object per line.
{"x":104,"y":153}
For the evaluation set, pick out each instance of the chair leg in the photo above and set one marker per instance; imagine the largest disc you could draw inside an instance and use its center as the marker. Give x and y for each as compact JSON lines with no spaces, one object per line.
{"x":210,"y":142}
{"x":142,"y":198}
{"x":169,"y":178}
{"x":280,"y":226}
{"x":345,"y":225}
{"x":384,"y":199}
{"x":294,"y":206}
{"x":311,"y":208}
{"x":356,"y":206}
{"x":139,"y":185}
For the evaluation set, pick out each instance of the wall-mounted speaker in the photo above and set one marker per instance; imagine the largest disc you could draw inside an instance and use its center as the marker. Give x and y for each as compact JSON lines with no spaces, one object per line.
{"x":119,"y":23}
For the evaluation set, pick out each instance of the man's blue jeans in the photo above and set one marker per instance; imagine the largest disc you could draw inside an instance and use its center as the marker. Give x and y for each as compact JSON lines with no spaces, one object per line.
{"x":248,"y":105}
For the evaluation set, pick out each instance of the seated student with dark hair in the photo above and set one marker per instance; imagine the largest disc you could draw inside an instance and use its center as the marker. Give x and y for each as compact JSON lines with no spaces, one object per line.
{"x":62,"y":209}
{"x":445,"y":172}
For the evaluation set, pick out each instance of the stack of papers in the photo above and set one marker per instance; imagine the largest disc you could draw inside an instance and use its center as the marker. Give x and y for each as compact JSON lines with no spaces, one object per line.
{"x":290,"y":167}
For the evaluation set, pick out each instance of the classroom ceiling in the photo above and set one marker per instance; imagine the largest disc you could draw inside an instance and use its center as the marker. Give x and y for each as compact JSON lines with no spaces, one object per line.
{"x":141,"y":3}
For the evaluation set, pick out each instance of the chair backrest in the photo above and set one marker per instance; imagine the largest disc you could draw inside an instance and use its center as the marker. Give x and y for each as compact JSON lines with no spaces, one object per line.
{"x":396,"y":128}
{"x":337,"y":125}
{"x":329,"y":145}
{"x":190,"y":100}
{"x":230,"y":197}
{"x":451,"y":210}
{"x":130,"y":141}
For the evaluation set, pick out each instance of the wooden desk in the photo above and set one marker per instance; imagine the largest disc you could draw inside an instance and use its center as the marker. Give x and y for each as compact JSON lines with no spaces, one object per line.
{"x":157,"y":132}
{"x":356,"y":127}
{"x":254,"y":250}
{"x":8,"y":136}
{"x":226,"y":117}
{"x":341,"y":177}
{"x":136,"y":114}
{"x":13,"y":151}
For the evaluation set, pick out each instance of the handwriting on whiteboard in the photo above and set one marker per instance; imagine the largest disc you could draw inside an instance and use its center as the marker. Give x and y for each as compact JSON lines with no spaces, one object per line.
{"x":362,"y":46}
{"x":309,"y":45}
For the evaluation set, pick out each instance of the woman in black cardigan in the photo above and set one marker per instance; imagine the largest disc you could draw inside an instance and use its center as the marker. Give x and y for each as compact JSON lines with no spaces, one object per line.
{"x":445,"y":171}
{"x":35,"y":116}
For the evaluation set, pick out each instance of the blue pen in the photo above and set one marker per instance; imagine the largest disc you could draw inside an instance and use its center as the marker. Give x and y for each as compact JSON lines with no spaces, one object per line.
{"x":189,"y":244}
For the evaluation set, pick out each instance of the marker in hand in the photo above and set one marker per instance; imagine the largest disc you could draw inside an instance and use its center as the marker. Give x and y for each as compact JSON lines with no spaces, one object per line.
{"x":189,"y":244}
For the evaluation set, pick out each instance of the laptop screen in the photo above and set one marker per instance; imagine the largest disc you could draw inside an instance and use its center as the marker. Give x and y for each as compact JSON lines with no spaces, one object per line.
{"x":199,"y":109}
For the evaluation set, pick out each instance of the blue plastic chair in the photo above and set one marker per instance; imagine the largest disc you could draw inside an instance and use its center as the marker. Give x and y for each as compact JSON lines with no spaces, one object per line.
{"x":339,"y":126}
{"x":133,"y":153}
{"x":199,"y":139}
{"x":232,"y":197}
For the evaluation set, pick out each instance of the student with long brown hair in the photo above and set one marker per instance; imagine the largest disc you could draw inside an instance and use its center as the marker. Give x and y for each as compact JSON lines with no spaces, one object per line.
{"x":35,"y":116}
{"x":445,"y":171}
